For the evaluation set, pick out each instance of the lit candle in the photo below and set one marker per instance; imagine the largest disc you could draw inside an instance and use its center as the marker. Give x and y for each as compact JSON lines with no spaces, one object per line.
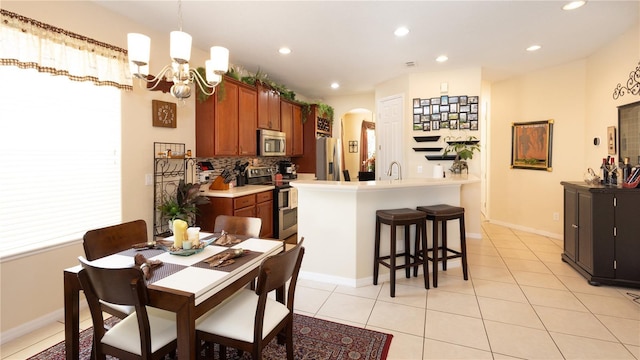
{"x":179,"y":232}
{"x":193,"y":234}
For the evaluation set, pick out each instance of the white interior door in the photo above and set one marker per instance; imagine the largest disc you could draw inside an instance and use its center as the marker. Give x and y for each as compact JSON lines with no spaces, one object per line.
{"x":389,"y":135}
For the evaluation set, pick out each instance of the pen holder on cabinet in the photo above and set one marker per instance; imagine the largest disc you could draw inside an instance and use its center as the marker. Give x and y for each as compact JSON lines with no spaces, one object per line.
{"x":219,"y":184}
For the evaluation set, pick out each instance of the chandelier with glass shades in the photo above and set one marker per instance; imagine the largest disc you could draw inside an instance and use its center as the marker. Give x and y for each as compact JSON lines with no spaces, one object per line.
{"x":139,"y":47}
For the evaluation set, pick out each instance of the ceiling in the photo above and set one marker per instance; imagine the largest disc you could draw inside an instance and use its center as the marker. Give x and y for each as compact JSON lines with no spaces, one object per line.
{"x":352,"y":42}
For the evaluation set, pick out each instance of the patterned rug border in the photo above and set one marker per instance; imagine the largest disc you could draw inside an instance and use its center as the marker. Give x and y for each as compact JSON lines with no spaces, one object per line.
{"x":313,"y":344}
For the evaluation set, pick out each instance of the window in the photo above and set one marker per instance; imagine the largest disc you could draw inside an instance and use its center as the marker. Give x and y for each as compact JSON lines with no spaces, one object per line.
{"x":59,"y":159}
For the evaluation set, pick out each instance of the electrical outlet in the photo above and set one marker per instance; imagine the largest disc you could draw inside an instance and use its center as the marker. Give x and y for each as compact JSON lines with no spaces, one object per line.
{"x":556,"y":216}
{"x":148,"y":179}
{"x":420,"y":169}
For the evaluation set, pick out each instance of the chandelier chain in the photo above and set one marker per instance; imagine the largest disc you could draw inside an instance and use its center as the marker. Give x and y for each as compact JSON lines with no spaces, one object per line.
{"x":180,"y":15}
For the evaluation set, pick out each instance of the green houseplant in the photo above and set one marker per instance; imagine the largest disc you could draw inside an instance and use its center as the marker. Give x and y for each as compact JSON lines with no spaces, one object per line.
{"x":184,"y":203}
{"x":464,"y":150}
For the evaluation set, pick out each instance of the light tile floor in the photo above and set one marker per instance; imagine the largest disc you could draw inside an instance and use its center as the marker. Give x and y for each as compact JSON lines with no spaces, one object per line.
{"x":520,"y":302}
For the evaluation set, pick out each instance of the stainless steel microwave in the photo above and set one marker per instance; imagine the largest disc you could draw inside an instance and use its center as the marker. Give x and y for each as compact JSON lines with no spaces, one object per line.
{"x":271,"y":143}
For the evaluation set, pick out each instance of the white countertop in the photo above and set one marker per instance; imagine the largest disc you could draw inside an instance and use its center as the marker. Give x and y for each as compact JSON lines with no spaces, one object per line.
{"x":235,"y":191}
{"x":384,"y":184}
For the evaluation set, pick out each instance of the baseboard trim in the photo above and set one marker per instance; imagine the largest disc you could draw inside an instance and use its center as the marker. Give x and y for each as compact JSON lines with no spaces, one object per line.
{"x":527,"y":229}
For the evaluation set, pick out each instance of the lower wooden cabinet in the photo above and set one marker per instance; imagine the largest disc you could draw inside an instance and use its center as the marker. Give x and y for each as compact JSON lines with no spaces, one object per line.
{"x":601,"y":233}
{"x":253,"y":205}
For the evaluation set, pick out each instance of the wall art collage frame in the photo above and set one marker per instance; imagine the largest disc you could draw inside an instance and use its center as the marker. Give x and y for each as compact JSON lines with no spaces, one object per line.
{"x":446,"y":112}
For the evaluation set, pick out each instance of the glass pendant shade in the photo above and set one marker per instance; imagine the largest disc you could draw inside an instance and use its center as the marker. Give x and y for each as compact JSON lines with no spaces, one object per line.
{"x":212,"y":78}
{"x":138,"y":47}
{"x":180,"y":47}
{"x":220,"y":59}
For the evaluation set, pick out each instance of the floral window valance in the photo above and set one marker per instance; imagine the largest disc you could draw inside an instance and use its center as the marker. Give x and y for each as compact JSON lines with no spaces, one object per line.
{"x":30,"y":44}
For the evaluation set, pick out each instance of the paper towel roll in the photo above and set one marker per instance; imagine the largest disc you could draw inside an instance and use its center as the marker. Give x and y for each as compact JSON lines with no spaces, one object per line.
{"x":438,"y":172}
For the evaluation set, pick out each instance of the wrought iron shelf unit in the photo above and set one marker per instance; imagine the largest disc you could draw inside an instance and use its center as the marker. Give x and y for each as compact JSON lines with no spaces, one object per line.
{"x":170,"y":165}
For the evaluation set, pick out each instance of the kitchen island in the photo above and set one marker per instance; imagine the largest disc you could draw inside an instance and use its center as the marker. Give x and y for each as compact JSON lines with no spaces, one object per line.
{"x":337,"y":220}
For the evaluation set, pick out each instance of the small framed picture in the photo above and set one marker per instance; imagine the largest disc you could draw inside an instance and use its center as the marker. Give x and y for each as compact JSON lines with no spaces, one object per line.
{"x":465,"y":125}
{"x":464,"y":108}
{"x":453,"y":116}
{"x":425,"y":118}
{"x":435,"y":117}
{"x":444,"y":116}
{"x":435,"y":125}
{"x":435,"y":109}
{"x":453,"y":124}
{"x":473,"y":117}
{"x":473,"y":99}
{"x":444,"y":100}
{"x":474,"y":108}
{"x":453,"y":108}
{"x":426,"y":110}
{"x":463,"y":117}
{"x":473,"y":124}
{"x":417,"y":127}
{"x":424,"y":102}
{"x":435,"y":101}
{"x":417,"y":110}
{"x":416,"y":103}
{"x":444,"y":108}
{"x":426,"y":126}
{"x":453,"y":100}
{"x":444,"y":124}
{"x":463,"y":100}
{"x":416,"y":118}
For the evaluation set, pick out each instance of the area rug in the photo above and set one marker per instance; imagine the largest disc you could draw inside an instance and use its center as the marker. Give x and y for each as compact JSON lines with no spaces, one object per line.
{"x":313,"y":339}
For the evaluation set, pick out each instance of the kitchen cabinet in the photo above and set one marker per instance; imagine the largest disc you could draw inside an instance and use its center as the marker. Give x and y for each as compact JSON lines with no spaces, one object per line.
{"x":298,"y":134}
{"x":291,"y":125}
{"x":268,"y":108}
{"x":253,"y":205}
{"x":314,"y":127}
{"x":226,"y":122}
{"x":601,"y":233}
{"x":247,"y":121}
{"x":264,"y":210}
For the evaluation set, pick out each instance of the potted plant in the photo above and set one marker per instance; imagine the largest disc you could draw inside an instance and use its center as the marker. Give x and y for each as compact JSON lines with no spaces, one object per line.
{"x":184,"y":203}
{"x":464,"y":149}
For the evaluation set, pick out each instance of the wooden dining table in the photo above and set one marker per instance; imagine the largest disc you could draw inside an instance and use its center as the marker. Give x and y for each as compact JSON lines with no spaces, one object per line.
{"x":182,"y":284}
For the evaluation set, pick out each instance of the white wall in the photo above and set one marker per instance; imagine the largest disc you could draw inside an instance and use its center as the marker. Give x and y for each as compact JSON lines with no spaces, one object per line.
{"x":27,"y":281}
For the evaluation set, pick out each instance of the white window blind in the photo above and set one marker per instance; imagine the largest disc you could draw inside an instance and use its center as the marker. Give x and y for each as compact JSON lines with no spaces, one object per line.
{"x":59,"y":159}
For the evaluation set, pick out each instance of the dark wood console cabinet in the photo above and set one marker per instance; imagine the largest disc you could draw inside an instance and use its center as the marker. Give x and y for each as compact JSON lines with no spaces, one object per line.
{"x":602,"y":233}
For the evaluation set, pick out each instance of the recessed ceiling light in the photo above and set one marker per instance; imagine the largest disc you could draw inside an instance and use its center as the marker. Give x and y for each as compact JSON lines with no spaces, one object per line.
{"x":574,"y":5}
{"x":442,"y":58}
{"x":284,"y":51}
{"x":335,"y":85}
{"x":534,"y":47}
{"x":401,"y":31}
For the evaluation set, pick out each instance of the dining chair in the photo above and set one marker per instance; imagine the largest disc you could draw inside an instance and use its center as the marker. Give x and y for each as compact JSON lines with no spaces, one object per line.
{"x":109,"y":240}
{"x":148,"y":333}
{"x":250,"y":319}
{"x":238,"y":225}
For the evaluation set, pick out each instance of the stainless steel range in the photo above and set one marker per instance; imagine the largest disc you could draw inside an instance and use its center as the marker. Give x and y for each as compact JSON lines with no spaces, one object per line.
{"x":285,"y":201}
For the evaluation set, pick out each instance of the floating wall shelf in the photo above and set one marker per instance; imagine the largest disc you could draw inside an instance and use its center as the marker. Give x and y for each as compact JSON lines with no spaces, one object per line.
{"x":440,"y":157}
{"x":427,"y":149}
{"x":426,"y":138}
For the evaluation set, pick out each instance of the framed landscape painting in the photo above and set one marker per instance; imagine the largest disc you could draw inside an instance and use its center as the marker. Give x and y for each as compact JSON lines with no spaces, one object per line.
{"x":531,"y":145}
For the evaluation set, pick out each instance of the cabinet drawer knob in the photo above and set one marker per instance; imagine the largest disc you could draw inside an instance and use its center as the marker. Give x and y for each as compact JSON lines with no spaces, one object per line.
{"x":574,"y":226}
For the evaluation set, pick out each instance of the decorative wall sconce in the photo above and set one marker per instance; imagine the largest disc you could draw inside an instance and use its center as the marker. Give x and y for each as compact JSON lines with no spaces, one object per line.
{"x":633,"y":84}
{"x":353,"y":146}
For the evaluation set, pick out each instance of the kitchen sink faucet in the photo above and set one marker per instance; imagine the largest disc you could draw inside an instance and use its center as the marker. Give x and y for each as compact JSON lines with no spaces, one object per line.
{"x":399,"y":170}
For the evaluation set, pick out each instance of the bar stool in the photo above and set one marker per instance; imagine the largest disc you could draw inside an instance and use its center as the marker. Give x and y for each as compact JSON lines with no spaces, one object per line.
{"x":441,"y":214}
{"x":401,"y":217}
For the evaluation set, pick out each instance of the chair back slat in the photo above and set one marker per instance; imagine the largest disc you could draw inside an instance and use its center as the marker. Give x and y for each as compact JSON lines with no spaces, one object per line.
{"x":276,"y":270}
{"x":238,"y":225}
{"x":112,"y":239}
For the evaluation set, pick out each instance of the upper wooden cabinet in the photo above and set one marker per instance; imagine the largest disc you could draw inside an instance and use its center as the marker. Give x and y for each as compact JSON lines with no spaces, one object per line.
{"x":226,"y":122}
{"x":298,"y":135}
{"x":291,"y":125}
{"x":247,"y":121}
{"x":268,"y":108}
{"x":314,"y":127}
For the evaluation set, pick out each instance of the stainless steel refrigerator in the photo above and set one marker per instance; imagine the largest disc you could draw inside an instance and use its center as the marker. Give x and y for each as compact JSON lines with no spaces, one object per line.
{"x":328,"y":158}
